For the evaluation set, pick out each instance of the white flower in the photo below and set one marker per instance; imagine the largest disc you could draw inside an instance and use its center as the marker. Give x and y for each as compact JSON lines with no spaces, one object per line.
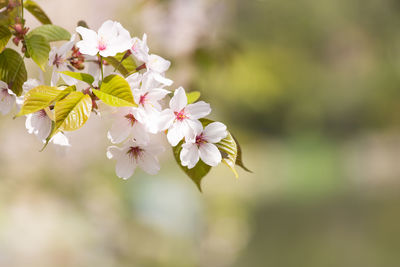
{"x":140,"y":49}
{"x":202,"y":146}
{"x":7,"y":98}
{"x":128,"y":122}
{"x":147,"y":98}
{"x":134,"y":154}
{"x":181,"y":119}
{"x":39,"y":124}
{"x":149,"y":94}
{"x":58,"y":59}
{"x":110,"y":39}
{"x":154,"y":63}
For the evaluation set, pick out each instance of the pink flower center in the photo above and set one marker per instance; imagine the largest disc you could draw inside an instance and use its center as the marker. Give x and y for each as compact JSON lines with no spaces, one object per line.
{"x":180,"y":116}
{"x":200,"y":140}
{"x":101,"y":45}
{"x":42,"y":113}
{"x":142,"y":99}
{"x":4,"y":94}
{"x":58,"y":60}
{"x":130,"y":118}
{"x":135,"y":152}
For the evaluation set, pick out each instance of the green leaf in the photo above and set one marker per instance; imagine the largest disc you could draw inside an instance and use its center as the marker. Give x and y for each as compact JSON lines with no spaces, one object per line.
{"x":65,"y":92}
{"x":41,"y":97}
{"x":5,"y":36}
{"x":125,"y":67}
{"x":239,"y":159}
{"x":7,"y":17}
{"x":12,"y":70}
{"x":37,"y":11}
{"x":197,"y":172}
{"x":38,"y":48}
{"x":87,"y":78}
{"x":72,"y":112}
{"x":192,"y":96}
{"x":51,"y":32}
{"x":115,"y":91}
{"x":38,"y":98}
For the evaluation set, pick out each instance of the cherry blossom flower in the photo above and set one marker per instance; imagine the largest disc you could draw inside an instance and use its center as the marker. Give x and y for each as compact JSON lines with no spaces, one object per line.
{"x":202,"y":146}
{"x":58,"y":59}
{"x":181,"y":119}
{"x":110,"y":39}
{"x":39,"y":124}
{"x":7,"y":98}
{"x":128,"y":122}
{"x":148,"y":98}
{"x":153,"y":63}
{"x":134,"y":154}
{"x":149,"y":94}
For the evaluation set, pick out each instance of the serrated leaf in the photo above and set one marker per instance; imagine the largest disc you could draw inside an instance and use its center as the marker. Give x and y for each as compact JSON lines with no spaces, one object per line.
{"x":125,"y":67}
{"x":38,"y":98}
{"x":5,"y":36}
{"x":228,"y":149}
{"x":41,"y":97}
{"x":72,"y":112}
{"x":84,"y":77}
{"x":115,"y":91}
{"x":197,"y":172}
{"x":192,"y":96}
{"x":51,"y":32}
{"x":38,"y":48}
{"x":37,"y":11}
{"x":239,"y":158}
{"x":12,"y":70}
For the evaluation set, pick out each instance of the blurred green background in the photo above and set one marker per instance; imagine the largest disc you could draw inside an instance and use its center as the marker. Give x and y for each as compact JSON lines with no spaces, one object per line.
{"x":311,"y":88}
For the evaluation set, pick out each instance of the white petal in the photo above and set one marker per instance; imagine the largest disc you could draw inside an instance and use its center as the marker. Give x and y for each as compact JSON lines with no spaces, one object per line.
{"x":161,"y":79}
{"x":65,"y":48}
{"x":210,"y":154}
{"x":149,"y":163}
{"x":30,"y":84}
{"x":179,"y":100}
{"x":40,"y":124}
{"x":55,"y":76}
{"x":189,"y":155}
{"x":139,"y":133}
{"x":107,"y":30}
{"x":198,"y":110}
{"x":157,"y":64}
{"x":60,"y":139}
{"x":120,"y":129}
{"x":88,"y":44}
{"x":125,"y":166}
{"x":194,"y":128}
{"x":134,"y":80}
{"x":157,"y":94}
{"x":215,"y":132}
{"x":7,"y":101}
{"x":165,"y":119}
{"x":176,"y":133}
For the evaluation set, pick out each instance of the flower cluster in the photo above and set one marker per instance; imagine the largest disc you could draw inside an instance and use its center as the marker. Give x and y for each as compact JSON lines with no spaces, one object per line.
{"x":97,"y":70}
